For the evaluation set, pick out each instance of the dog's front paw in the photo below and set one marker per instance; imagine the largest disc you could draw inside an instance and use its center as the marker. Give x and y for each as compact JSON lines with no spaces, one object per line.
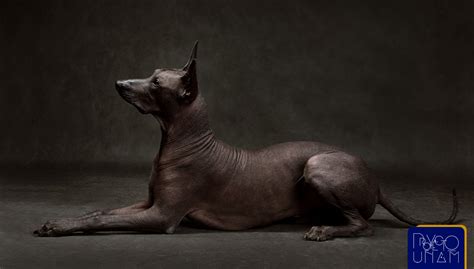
{"x":50,"y":228}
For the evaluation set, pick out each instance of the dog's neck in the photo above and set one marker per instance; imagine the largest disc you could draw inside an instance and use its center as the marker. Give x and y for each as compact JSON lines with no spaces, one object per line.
{"x":188,"y":138}
{"x":185,"y":131}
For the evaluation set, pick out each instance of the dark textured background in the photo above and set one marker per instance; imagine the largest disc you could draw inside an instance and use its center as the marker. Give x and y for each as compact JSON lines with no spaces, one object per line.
{"x":389,"y":80}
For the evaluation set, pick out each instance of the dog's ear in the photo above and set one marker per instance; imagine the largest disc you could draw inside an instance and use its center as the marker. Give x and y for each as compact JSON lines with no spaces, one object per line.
{"x":192,"y":57}
{"x":190,"y":85}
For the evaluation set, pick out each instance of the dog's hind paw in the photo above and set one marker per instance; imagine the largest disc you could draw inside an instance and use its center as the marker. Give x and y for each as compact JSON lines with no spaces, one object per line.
{"x":319,"y":233}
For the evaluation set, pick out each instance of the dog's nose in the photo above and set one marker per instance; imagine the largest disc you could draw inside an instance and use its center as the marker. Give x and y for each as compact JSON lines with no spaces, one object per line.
{"x":119,"y":84}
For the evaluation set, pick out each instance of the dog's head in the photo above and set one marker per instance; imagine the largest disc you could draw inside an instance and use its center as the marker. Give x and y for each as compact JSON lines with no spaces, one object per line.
{"x":165,"y":92}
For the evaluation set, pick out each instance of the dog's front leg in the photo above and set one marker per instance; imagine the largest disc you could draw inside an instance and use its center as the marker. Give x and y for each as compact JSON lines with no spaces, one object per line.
{"x":135,"y":208}
{"x":149,"y":220}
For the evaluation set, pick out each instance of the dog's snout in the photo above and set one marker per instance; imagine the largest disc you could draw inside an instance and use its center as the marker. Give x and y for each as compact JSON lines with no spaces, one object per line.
{"x":120,"y":84}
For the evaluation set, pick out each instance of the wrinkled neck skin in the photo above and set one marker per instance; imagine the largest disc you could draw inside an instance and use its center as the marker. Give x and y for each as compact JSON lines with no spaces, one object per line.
{"x":187,"y":137}
{"x":184,"y":128}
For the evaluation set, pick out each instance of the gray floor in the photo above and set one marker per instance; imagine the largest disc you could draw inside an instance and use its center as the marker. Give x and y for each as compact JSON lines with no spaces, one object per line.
{"x":29,"y":197}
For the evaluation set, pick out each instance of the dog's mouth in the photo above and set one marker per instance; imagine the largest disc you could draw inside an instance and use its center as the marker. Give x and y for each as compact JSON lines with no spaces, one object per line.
{"x":128,"y":97}
{"x":125,"y":94}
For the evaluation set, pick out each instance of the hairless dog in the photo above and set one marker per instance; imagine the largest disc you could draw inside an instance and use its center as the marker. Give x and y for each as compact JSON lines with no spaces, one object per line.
{"x":197,"y":176}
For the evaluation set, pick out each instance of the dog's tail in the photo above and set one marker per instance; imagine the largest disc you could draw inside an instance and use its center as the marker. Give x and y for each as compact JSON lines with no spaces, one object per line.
{"x":387,"y":204}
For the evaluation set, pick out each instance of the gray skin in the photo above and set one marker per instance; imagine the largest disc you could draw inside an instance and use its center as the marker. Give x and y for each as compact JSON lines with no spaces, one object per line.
{"x":198,"y":177}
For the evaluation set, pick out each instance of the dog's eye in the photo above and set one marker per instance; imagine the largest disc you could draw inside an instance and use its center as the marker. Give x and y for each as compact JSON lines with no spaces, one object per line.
{"x":156,"y":82}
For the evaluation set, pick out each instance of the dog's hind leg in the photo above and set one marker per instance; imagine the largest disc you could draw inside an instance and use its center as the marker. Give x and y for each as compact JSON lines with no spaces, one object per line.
{"x":356,"y":226}
{"x":343,"y":182}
